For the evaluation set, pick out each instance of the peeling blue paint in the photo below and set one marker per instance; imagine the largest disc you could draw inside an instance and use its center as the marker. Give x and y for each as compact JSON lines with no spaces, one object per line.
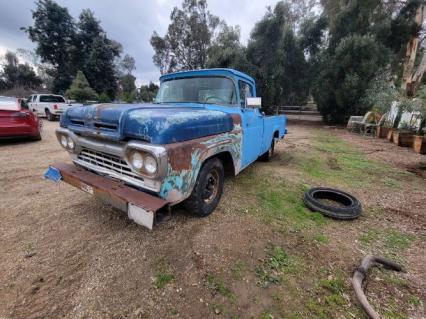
{"x":242,"y":132}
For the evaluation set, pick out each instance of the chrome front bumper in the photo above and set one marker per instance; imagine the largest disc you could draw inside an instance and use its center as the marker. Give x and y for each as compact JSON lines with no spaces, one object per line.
{"x":107,"y":158}
{"x":141,"y":207}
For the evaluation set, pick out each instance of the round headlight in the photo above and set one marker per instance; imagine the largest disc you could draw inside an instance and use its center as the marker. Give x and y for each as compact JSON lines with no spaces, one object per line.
{"x":64,"y":141}
{"x":150,"y":164}
{"x":70,"y":143}
{"x":136,"y":160}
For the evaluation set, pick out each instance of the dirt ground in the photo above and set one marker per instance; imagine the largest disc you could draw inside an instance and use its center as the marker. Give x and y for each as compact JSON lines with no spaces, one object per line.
{"x":261,"y":254}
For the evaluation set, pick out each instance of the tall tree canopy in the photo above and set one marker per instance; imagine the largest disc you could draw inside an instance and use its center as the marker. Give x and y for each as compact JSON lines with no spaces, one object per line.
{"x":278,"y":59}
{"x":188,"y":38}
{"x":17,"y":75}
{"x":96,"y":54}
{"x":67,"y":46}
{"x":227,"y":51}
{"x":363,"y":41}
{"x":54,"y":32}
{"x":127,"y":85}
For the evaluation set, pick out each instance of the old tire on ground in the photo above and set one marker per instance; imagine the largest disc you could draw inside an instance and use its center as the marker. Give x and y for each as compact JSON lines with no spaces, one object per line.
{"x":49,"y":115}
{"x":207,"y":190}
{"x":350,"y":206}
{"x":268,"y":155}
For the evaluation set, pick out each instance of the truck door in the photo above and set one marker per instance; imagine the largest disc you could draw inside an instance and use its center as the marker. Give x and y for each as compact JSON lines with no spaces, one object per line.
{"x":252,"y":122}
{"x":34,"y":104}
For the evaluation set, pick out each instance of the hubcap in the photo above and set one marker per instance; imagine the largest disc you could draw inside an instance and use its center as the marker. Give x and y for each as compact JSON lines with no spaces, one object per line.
{"x":211,"y":187}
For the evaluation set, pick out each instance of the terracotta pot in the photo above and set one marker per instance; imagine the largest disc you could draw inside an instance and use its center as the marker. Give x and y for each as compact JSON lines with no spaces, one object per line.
{"x":382,"y":132}
{"x":419,"y":144}
{"x":404,"y":139}
{"x":390,"y":134}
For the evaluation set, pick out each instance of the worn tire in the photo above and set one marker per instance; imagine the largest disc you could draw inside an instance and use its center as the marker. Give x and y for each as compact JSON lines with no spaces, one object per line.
{"x":197,"y":204}
{"x":351,"y":208}
{"x":50,"y":117}
{"x":269,"y":153}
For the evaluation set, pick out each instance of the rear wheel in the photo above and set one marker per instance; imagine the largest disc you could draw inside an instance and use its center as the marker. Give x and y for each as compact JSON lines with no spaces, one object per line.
{"x":49,"y":115}
{"x":207,"y":190}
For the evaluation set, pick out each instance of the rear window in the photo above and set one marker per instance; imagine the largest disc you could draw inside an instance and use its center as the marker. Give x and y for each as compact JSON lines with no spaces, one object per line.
{"x":52,"y":99}
{"x":8,"y":104}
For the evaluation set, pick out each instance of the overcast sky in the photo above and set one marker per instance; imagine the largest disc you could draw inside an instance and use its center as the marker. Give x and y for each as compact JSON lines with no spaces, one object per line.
{"x":130,"y":22}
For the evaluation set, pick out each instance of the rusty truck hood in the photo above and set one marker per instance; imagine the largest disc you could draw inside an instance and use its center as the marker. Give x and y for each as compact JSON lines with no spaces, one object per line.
{"x":153,"y":123}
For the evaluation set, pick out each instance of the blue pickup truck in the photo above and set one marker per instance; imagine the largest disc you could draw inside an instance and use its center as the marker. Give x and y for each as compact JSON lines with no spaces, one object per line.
{"x":141,"y":158}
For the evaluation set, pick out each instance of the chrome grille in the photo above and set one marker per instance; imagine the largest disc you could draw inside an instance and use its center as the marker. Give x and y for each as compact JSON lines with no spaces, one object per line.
{"x":108,"y":162}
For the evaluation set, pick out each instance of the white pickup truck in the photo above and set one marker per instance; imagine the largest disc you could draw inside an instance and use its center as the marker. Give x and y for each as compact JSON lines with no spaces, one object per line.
{"x":49,"y":105}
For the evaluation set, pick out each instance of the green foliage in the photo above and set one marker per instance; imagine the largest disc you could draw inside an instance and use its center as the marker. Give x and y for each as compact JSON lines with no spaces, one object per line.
{"x":278,"y":60}
{"x":15,"y":74}
{"x":266,"y":315}
{"x":66,"y":46}
{"x":381,"y":93}
{"x":128,"y":88}
{"x":162,"y":279}
{"x":364,"y":38}
{"x":276,"y":265}
{"x":238,"y":270}
{"x":95,"y":54}
{"x":80,"y":89}
{"x":227,"y":51}
{"x":147,"y":93}
{"x":185,"y":45}
{"x":217,"y":284}
{"x":396,"y":240}
{"x":104,"y":98}
{"x":54,"y":31}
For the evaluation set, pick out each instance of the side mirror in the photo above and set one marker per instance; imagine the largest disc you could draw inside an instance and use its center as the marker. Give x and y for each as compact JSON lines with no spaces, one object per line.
{"x":254,"y":102}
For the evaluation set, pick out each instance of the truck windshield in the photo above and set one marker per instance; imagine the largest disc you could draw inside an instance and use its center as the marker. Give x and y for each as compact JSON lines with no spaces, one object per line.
{"x":52,"y":99}
{"x":205,"y":90}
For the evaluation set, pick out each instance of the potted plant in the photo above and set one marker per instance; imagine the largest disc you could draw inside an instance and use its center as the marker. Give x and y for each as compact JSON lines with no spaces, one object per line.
{"x":419,"y":141}
{"x":381,"y":95}
{"x":405,"y":123}
{"x":404,"y":135}
{"x":393,"y":120}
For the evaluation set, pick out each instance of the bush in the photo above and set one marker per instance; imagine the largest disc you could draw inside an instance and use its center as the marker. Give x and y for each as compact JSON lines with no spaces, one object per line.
{"x":80,"y":89}
{"x":346,"y":74}
{"x":104,"y":98}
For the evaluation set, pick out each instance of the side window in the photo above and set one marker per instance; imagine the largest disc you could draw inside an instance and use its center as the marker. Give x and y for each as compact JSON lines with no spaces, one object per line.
{"x":245,"y":92}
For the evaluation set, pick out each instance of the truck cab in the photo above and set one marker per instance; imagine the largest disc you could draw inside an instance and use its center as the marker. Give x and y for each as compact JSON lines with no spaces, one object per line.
{"x":50,"y":106}
{"x":142,"y":157}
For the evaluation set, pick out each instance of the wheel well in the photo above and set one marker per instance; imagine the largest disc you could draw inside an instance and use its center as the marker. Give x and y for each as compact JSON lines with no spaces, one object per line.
{"x":276,"y":134}
{"x":227,"y":162}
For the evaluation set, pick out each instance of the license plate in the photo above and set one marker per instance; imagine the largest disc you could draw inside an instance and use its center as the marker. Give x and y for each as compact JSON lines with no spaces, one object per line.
{"x":53,"y":174}
{"x":86,"y":188}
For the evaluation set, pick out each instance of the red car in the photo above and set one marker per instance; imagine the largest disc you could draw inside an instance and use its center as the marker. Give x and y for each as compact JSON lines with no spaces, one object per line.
{"x":17,"y":121}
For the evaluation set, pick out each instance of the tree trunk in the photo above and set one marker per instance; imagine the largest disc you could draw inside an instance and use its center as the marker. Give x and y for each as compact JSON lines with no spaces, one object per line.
{"x":408,"y":81}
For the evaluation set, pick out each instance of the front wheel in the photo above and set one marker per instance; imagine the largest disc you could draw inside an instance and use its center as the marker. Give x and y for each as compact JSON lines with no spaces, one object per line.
{"x":207,"y":190}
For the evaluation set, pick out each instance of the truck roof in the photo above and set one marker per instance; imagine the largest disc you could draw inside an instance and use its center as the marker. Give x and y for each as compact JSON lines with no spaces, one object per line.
{"x":204,"y":72}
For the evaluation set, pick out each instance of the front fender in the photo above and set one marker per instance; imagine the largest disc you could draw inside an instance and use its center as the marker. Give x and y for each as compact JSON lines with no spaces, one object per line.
{"x":186,"y":159}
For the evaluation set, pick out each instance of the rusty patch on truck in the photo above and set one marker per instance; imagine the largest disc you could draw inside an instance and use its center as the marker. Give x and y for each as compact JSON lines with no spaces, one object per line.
{"x":186,"y":158}
{"x":108,"y":190}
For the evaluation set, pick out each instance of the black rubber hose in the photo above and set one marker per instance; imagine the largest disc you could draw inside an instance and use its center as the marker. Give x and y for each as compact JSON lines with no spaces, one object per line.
{"x":359,"y":277}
